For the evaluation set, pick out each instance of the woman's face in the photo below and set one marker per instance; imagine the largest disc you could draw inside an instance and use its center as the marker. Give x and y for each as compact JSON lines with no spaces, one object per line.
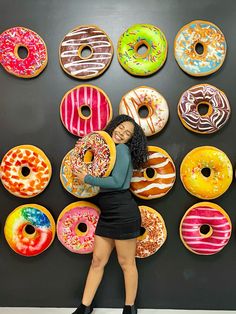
{"x":123,"y":132}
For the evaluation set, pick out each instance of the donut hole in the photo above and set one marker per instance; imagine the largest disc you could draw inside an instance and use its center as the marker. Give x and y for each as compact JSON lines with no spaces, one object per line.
{"x":29,"y":229}
{"x":88,"y":156}
{"x":206,"y":172}
{"x":22,"y":52}
{"x":143,"y":112}
{"x":199,"y":48}
{"x":85,"y":52}
{"x":142,"y":49}
{"x":25,"y":171}
{"x":85,"y":112}
{"x":206,"y":230}
{"x":203,"y":109}
{"x":81,"y":228}
{"x":150,"y":173}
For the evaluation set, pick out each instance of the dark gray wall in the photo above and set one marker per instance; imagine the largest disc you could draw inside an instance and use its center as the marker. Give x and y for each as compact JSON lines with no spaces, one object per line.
{"x":29,"y":114}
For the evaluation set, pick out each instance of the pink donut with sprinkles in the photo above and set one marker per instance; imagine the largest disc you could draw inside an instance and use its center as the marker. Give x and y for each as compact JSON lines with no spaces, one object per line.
{"x":76,"y":226}
{"x":14,"y":38}
{"x":205,"y":228}
{"x":90,"y":98}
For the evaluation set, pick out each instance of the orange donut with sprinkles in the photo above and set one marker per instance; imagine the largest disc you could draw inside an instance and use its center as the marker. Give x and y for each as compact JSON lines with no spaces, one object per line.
{"x":25,"y":171}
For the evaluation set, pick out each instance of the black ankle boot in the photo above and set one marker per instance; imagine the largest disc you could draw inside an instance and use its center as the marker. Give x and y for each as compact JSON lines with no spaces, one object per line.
{"x":83,"y":309}
{"x":129,"y":309}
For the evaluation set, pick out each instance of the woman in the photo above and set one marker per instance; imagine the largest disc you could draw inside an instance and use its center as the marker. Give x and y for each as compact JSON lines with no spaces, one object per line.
{"x":120,"y":221}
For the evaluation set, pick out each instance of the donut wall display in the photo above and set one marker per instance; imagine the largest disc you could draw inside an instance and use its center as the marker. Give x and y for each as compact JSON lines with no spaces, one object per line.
{"x":26,"y":170}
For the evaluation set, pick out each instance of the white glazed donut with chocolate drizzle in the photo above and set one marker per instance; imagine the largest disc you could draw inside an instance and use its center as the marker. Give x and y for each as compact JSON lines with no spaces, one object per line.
{"x":92,"y":38}
{"x":155,"y":103}
{"x":218,"y":109}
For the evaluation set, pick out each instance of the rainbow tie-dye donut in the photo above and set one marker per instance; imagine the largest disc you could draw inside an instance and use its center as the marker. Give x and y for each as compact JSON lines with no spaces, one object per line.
{"x":76,"y":226}
{"x":132,"y":39}
{"x":212,"y":41}
{"x":29,"y":229}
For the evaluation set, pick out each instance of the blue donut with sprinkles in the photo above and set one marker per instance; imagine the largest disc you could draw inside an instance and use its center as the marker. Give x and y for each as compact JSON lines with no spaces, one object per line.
{"x":200,"y":48}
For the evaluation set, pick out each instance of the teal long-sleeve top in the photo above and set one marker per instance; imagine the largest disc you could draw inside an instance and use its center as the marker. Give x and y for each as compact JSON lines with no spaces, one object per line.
{"x":121,"y":173}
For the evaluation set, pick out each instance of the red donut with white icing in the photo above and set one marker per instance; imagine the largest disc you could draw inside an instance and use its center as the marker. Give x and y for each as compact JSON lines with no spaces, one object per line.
{"x":14,"y":38}
{"x":205,"y":228}
{"x":88,"y":97}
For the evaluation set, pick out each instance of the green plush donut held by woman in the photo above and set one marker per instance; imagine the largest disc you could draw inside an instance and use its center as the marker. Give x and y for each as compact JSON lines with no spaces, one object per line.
{"x":135,"y":37}
{"x":119,"y":224}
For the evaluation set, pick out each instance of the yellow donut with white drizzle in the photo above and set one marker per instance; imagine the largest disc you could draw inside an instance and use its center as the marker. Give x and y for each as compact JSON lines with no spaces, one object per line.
{"x":146,"y":97}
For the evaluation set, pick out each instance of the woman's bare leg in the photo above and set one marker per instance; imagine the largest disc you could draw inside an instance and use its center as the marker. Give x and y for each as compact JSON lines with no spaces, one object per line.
{"x":101,"y":253}
{"x":126,"y":250}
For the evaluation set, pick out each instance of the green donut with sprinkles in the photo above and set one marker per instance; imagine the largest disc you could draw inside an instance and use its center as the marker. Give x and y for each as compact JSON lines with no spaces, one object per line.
{"x":132,"y":39}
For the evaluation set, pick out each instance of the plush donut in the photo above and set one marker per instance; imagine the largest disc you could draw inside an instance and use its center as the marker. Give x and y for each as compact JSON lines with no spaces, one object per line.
{"x":155,"y":232}
{"x":90,"y":37}
{"x":88,"y":97}
{"x":25,"y":171}
{"x":218,"y":109}
{"x":95,"y":154}
{"x":29,"y":229}
{"x":205,"y":228}
{"x":153,"y":101}
{"x":14,"y":38}
{"x":206,"y":172}
{"x":76,"y":226}
{"x":156,"y":178}
{"x":210,"y":38}
{"x":132,"y":39}
{"x":71,"y":183}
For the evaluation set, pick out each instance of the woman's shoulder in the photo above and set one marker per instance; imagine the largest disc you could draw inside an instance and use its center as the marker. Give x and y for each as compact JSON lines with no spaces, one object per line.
{"x":122,"y":147}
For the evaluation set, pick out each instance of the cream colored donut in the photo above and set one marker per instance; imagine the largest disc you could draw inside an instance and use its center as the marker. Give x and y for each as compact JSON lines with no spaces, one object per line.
{"x":144,"y":96}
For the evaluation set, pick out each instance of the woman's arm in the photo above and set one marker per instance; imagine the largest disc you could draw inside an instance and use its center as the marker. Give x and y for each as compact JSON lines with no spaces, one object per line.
{"x":119,"y":173}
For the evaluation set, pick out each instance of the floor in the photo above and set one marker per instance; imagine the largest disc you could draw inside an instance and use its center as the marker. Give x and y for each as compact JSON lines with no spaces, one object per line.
{"x":102,"y":311}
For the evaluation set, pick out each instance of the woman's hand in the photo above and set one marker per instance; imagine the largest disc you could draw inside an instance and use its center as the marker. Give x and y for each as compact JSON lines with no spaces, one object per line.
{"x":80,"y":174}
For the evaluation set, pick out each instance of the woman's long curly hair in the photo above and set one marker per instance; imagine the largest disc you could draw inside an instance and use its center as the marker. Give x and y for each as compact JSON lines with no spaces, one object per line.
{"x":137,"y":144}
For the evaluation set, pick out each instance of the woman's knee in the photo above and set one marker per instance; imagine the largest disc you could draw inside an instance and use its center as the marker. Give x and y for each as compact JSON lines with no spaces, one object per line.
{"x":127,"y":263}
{"x":99,"y":261}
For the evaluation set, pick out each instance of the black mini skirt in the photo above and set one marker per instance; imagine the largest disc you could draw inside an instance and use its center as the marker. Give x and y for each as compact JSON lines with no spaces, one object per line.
{"x":120,"y":217}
